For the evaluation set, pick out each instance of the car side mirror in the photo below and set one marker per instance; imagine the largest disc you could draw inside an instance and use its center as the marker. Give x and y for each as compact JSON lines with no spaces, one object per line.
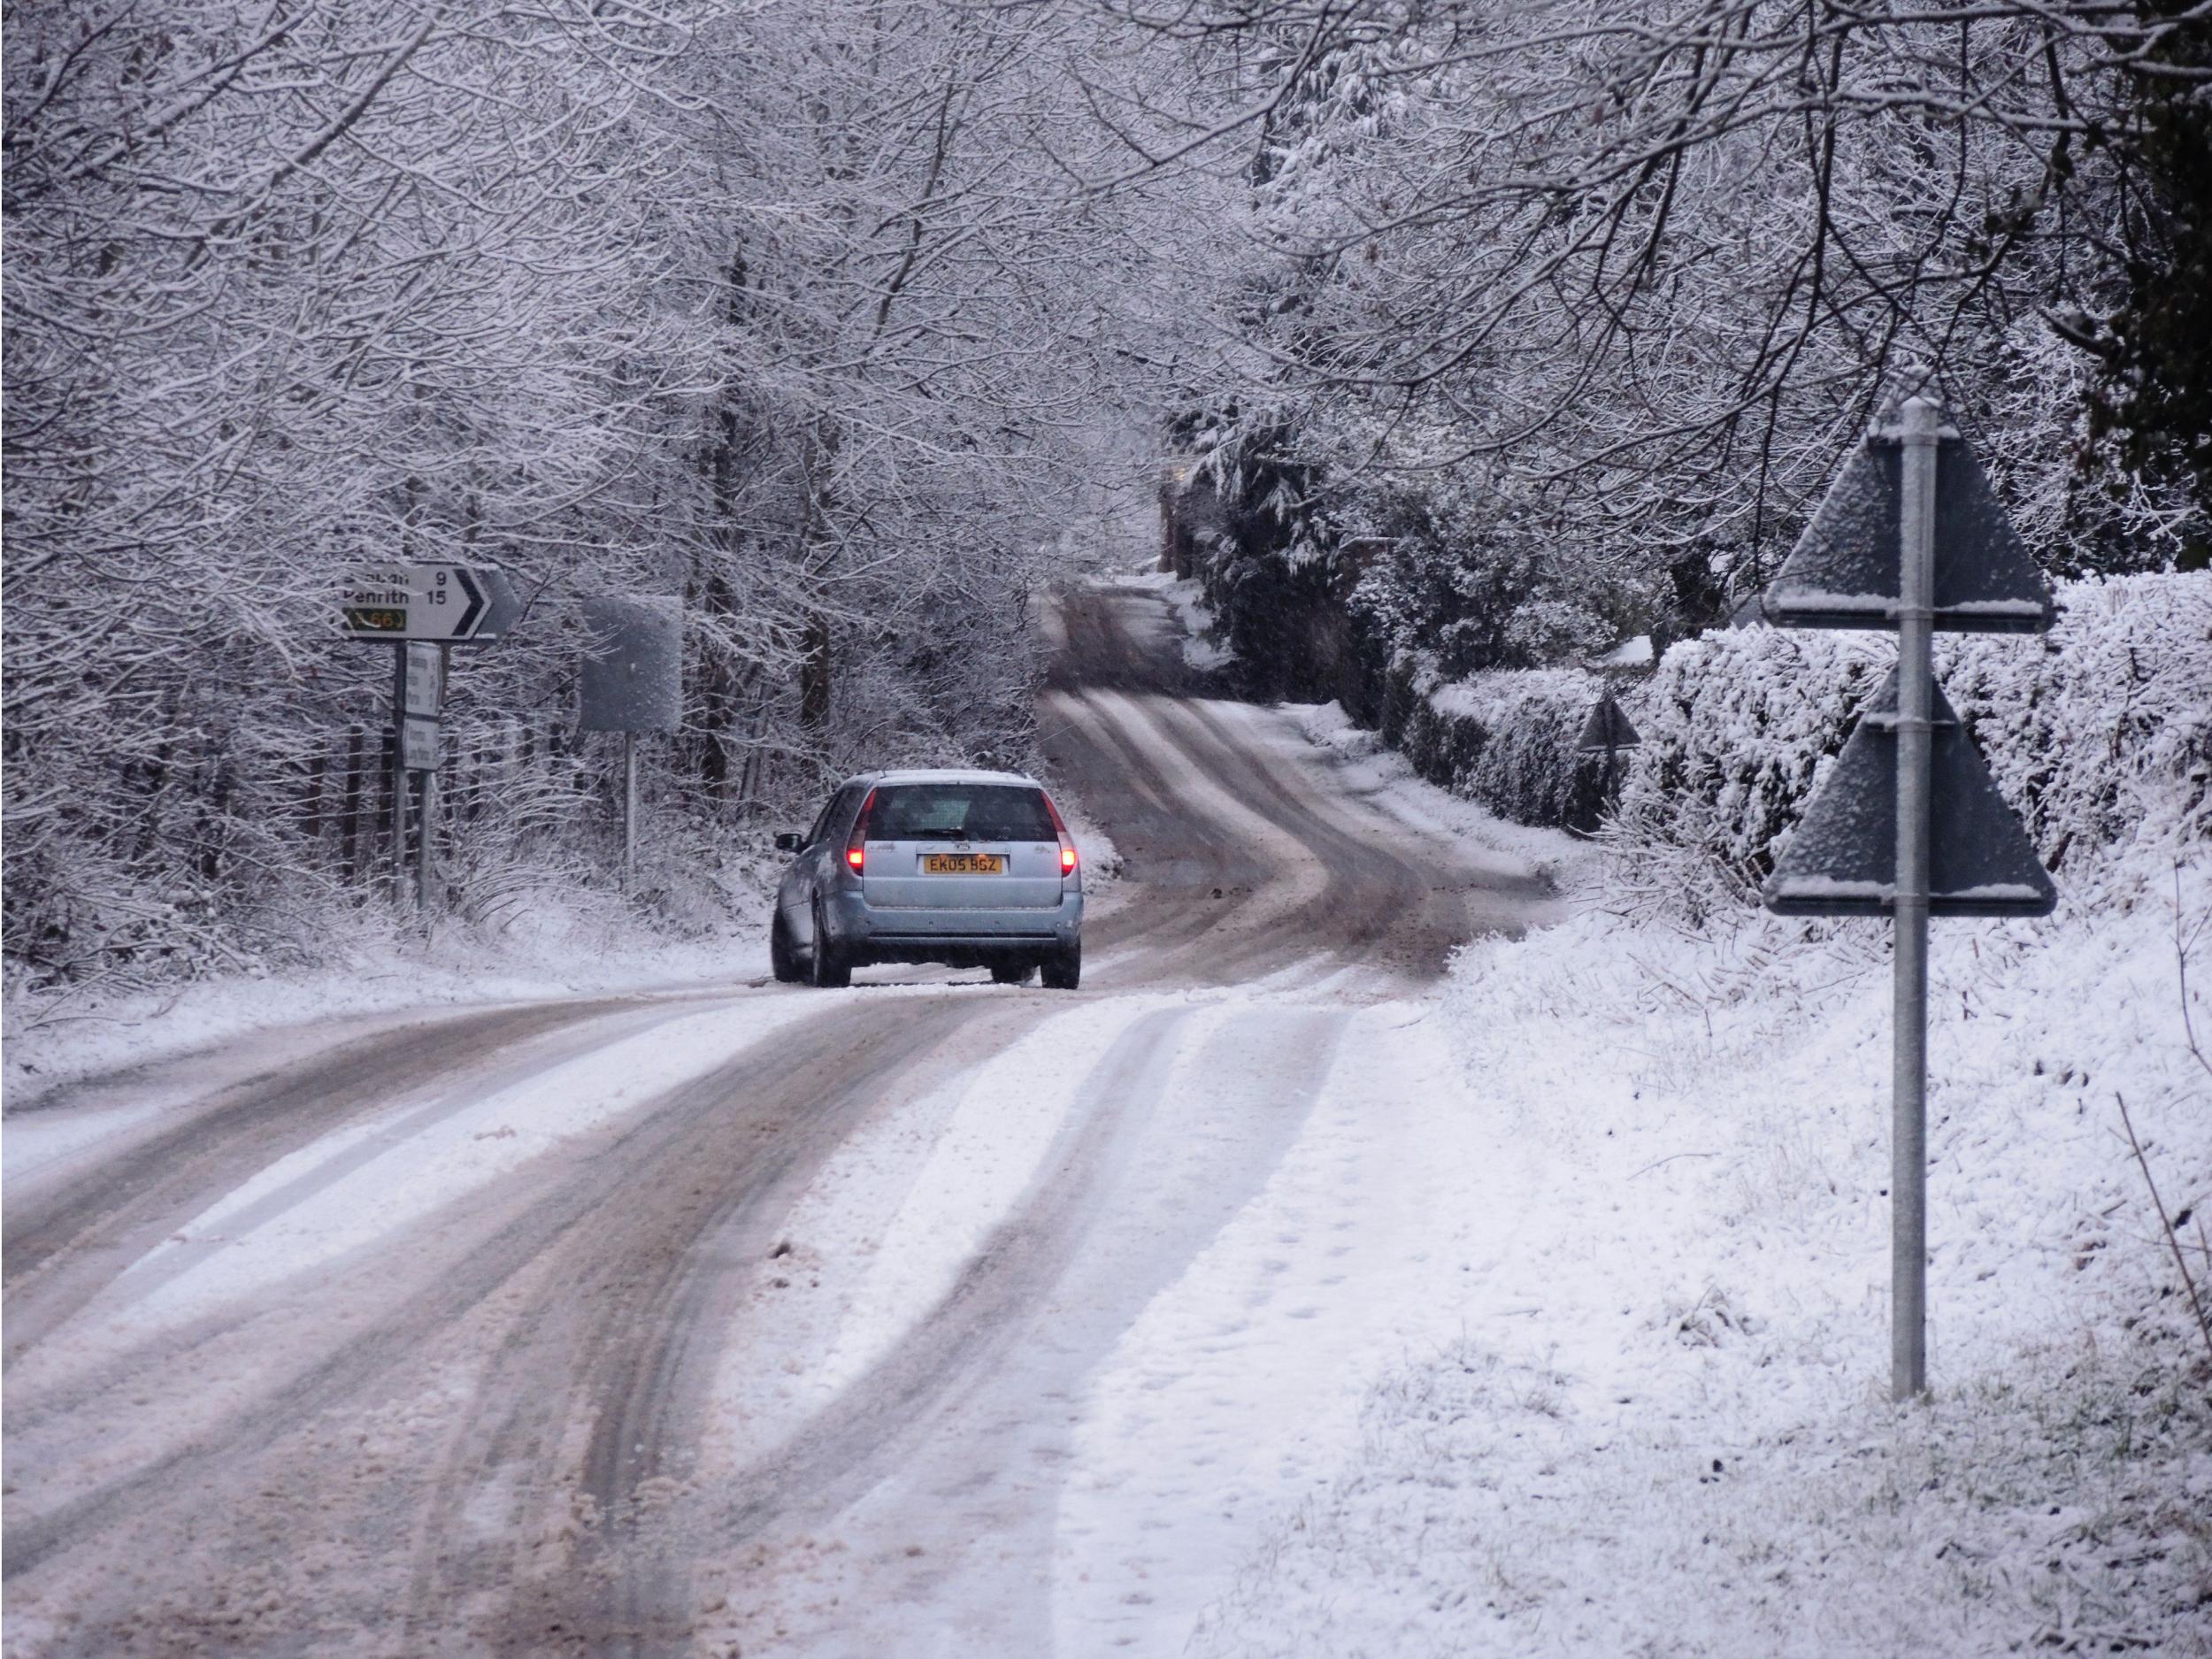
{"x":789,"y":842}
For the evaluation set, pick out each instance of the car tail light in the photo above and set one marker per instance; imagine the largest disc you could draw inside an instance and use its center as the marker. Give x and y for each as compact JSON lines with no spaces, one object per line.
{"x":855,"y":849}
{"x":1067,"y":842}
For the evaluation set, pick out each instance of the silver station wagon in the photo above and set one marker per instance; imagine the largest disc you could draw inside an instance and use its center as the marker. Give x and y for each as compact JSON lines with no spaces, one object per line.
{"x":973,"y":869}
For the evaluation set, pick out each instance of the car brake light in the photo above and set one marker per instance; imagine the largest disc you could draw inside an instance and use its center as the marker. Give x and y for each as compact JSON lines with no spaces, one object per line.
{"x":855,"y":849}
{"x":1060,"y":828}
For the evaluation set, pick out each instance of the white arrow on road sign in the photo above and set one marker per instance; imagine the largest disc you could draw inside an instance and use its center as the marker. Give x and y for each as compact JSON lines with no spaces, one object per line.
{"x":452,"y":604}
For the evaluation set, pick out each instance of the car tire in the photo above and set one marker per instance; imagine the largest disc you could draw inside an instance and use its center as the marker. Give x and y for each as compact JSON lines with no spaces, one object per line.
{"x":783,"y":961}
{"x":1012,"y":973}
{"x":829,"y":971}
{"x":1063,"y":969}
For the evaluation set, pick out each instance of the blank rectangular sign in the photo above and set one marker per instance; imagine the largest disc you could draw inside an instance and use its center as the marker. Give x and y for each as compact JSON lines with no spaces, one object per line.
{"x":631,"y":677}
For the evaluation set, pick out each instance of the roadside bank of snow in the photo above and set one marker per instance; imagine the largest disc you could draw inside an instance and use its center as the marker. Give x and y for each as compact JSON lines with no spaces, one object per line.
{"x":1203,"y":647}
{"x":378,"y":972}
{"x":1663,"y":1426}
{"x":1384,"y":778}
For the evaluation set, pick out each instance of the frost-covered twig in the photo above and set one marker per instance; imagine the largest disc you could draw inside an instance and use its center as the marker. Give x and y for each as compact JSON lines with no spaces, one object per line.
{"x":2173,"y":1238}
{"x":2182,"y":942}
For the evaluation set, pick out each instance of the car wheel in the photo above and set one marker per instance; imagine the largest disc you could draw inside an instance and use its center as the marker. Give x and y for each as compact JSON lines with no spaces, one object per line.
{"x":1012,"y":973}
{"x":783,"y":961}
{"x":1063,"y":969}
{"x":831,"y":971}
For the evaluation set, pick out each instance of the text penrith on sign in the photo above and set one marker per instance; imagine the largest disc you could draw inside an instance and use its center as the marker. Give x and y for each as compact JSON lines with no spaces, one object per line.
{"x":448,"y":604}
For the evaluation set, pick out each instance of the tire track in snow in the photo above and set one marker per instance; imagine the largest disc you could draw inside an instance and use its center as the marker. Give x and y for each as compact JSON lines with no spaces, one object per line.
{"x":1207,"y":846}
{"x":445,"y":1274}
{"x":63,"y":1247}
{"x":958,"y":1434}
{"x":599,"y":1389}
{"x":1376,"y":892}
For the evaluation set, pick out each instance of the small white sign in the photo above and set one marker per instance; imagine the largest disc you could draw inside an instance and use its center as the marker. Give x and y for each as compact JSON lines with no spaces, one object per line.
{"x":425,"y":680}
{"x":418,"y":744}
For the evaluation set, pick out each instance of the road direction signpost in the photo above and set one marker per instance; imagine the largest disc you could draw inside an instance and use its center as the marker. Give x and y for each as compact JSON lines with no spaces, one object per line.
{"x":423,"y":610}
{"x":1607,"y":732}
{"x":424,"y":690}
{"x":448,"y":604}
{"x":1911,"y":537}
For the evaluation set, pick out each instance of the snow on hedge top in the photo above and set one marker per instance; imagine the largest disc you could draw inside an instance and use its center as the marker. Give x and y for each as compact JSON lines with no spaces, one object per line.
{"x":2100,"y":733}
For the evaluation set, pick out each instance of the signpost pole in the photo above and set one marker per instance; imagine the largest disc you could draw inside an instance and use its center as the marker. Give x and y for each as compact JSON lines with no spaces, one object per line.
{"x":1920,"y":431}
{"x":399,"y":773}
{"x":427,"y":852}
{"x":629,"y":808}
{"x":429,"y":815}
{"x":1846,"y":571}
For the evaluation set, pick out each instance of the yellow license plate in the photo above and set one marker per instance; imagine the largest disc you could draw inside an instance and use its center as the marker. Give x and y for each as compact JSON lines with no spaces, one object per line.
{"x":963,"y":864}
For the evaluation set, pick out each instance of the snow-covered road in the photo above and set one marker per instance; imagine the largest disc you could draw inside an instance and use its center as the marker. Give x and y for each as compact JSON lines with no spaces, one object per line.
{"x":933,"y":1317}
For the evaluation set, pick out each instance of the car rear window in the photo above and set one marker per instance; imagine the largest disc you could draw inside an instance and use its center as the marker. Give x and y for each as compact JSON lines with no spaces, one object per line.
{"x":959,"y":812}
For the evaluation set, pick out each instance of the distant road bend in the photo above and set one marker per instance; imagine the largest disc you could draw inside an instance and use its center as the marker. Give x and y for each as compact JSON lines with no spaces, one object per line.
{"x":625,"y":1326}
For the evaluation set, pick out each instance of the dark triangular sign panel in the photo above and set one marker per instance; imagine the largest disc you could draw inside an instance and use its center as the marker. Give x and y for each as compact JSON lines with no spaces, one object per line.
{"x":1608,"y":727}
{"x":1843,"y":573}
{"x":1843,"y":861}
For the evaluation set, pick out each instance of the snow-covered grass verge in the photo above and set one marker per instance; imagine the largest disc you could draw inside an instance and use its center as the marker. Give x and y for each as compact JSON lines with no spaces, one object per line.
{"x":1205,"y":646}
{"x":1662,"y":1425}
{"x":1682,"y":1443}
{"x":1386,"y":779}
{"x":374,"y":967}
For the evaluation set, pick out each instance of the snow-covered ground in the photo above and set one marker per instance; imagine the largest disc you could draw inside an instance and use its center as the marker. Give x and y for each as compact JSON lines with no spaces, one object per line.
{"x":1270,"y":1297}
{"x":1650,"y":1415}
{"x":1202,"y":645}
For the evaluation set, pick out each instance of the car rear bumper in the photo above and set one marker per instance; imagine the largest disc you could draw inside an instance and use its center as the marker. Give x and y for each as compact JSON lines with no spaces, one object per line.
{"x":901,"y":934}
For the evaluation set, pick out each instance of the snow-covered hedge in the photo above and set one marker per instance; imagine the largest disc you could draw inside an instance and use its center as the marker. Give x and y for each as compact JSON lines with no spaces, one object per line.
{"x":1506,"y":739}
{"x":2088,"y":730}
{"x":2099,"y":734}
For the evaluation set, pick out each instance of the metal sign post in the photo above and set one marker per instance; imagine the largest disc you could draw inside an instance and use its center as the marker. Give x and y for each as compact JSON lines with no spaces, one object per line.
{"x":1919,"y":433}
{"x":399,"y":776}
{"x":423,"y":610}
{"x":1911,"y":537}
{"x":419,"y":746}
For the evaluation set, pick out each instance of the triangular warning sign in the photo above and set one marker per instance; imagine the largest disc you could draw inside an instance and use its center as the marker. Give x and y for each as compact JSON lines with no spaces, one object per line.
{"x":1843,"y":573}
{"x":1842,"y":860}
{"x":1608,"y":727}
